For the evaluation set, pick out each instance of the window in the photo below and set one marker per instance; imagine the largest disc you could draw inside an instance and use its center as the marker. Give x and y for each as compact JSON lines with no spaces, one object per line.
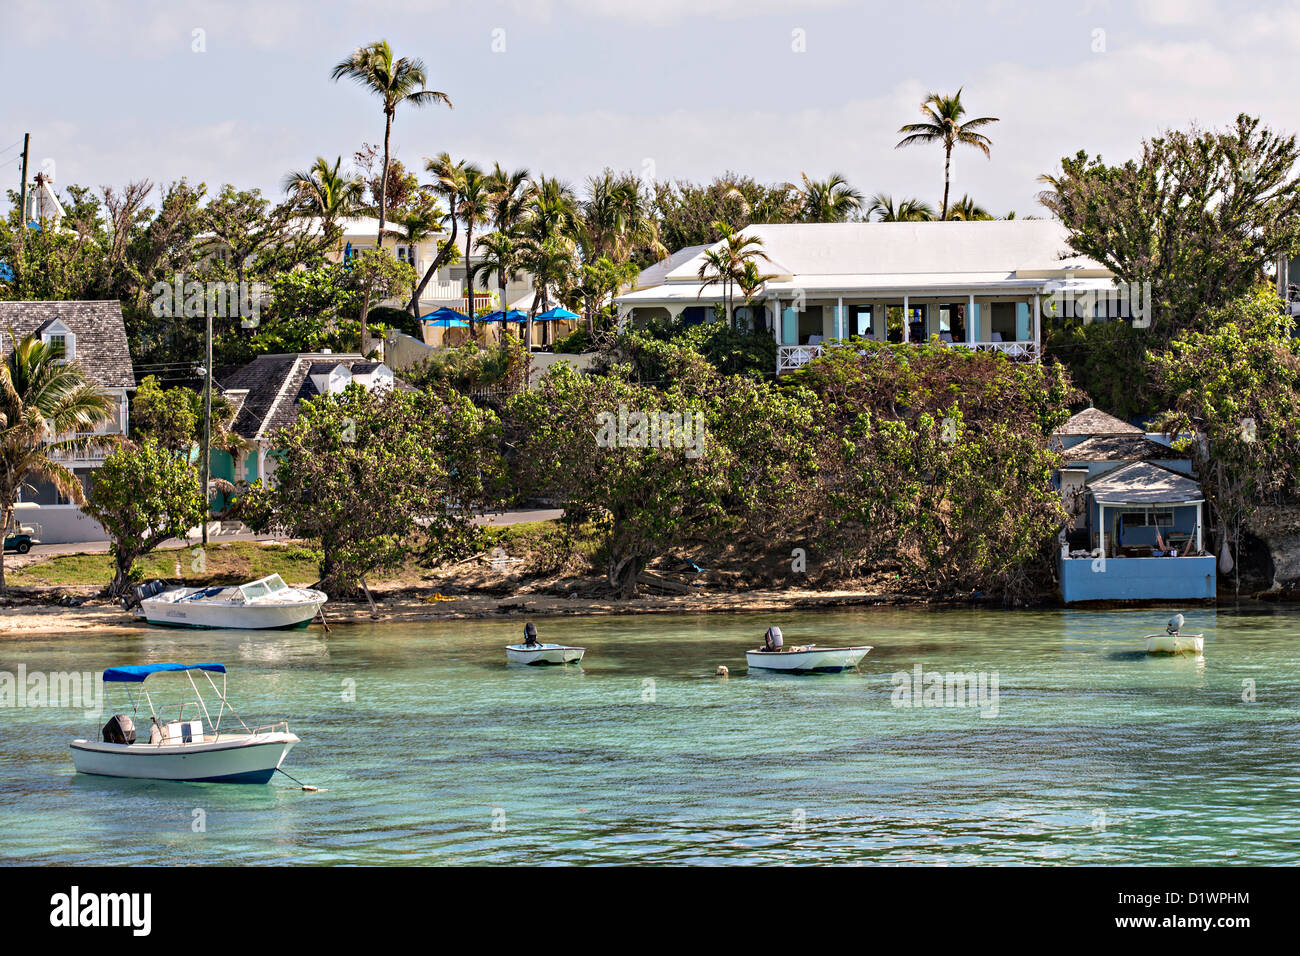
{"x":1148,"y":519}
{"x":59,"y":336}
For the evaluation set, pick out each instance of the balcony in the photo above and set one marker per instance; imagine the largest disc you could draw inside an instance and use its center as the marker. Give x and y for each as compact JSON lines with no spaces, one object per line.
{"x":85,"y":454}
{"x":791,"y":357}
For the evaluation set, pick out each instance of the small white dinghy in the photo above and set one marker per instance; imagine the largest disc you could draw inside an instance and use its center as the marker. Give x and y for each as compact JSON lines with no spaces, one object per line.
{"x":544,"y":654}
{"x":182,"y":749}
{"x":807,"y":659}
{"x":1173,"y":641}
{"x":264,"y":604}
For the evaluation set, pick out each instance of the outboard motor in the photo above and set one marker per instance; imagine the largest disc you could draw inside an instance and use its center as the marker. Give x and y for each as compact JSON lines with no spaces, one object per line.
{"x":142,"y":592}
{"x":120,"y":729}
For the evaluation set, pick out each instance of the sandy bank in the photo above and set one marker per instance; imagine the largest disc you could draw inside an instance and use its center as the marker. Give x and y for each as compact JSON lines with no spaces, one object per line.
{"x":31,"y":621}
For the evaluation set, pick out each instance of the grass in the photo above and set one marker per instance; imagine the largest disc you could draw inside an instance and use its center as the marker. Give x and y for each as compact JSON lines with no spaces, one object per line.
{"x":224,"y":563}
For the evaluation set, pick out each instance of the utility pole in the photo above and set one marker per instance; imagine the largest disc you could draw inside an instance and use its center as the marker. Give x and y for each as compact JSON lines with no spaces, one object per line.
{"x":22,"y":203}
{"x":207,"y":425}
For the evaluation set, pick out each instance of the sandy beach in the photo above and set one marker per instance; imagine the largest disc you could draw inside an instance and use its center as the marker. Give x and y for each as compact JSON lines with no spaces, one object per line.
{"x":108,"y":618}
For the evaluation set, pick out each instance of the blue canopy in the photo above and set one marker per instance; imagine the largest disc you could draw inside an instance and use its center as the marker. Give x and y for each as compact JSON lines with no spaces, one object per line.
{"x":136,"y":673}
{"x":550,"y":315}
{"x":514,"y":315}
{"x":446,"y":318}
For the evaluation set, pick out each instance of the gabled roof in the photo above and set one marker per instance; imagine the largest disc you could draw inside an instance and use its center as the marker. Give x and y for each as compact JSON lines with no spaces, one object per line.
{"x":1093,"y":421}
{"x":655,"y":274}
{"x":101,"y":346}
{"x":273,"y":385}
{"x":1142,"y":483}
{"x":1121,"y":448}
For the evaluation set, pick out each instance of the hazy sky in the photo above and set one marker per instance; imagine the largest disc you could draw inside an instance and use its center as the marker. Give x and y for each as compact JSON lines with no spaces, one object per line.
{"x":113,"y":91}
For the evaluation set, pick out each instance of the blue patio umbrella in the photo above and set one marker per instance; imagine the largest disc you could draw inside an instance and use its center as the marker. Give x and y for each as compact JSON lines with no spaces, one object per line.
{"x":551,"y":315}
{"x":514,"y":315}
{"x":446,"y":318}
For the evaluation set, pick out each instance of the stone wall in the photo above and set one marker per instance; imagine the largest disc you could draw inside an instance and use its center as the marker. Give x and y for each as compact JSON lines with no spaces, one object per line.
{"x":1277,"y":528}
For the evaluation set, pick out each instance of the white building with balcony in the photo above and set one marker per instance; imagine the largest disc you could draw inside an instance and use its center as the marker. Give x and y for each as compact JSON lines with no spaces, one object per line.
{"x":94,"y":336}
{"x":977,"y":284}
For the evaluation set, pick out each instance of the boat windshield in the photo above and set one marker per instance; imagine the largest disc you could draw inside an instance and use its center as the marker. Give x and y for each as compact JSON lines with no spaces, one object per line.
{"x":262,"y":587}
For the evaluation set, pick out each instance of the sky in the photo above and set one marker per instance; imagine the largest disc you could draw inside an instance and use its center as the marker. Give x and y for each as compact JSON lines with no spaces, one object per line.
{"x":240,"y":92}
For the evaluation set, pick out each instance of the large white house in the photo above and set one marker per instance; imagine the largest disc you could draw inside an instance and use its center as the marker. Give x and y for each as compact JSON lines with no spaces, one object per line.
{"x":981,"y":284}
{"x":445,"y":290}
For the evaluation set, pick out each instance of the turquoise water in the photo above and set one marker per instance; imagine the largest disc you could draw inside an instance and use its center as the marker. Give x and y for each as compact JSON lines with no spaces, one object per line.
{"x":1097,"y":753}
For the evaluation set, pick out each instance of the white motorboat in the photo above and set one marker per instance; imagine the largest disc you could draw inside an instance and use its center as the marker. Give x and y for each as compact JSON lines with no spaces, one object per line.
{"x":183,"y":749}
{"x":543,"y":654}
{"x":807,"y":659}
{"x":258,"y":605}
{"x":1174,"y":641}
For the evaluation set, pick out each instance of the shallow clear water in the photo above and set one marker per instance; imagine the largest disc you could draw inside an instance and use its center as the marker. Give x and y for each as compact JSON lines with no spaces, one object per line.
{"x":1097,"y":754}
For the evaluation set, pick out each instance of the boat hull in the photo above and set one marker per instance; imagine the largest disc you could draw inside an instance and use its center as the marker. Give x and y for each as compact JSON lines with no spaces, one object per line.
{"x":230,"y":617}
{"x":817,"y":660}
{"x":544,"y":654}
{"x":1175,"y":643}
{"x":244,"y":758}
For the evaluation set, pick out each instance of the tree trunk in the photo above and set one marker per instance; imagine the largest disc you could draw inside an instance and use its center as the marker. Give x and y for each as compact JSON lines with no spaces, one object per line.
{"x":947,"y":160}
{"x":383,"y":178}
{"x":469,"y":279}
{"x":6,"y":516}
{"x":414,"y":305}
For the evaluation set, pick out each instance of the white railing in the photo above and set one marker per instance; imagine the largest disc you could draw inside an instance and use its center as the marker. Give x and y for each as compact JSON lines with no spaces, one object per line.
{"x":791,"y":357}
{"x":89,"y":453}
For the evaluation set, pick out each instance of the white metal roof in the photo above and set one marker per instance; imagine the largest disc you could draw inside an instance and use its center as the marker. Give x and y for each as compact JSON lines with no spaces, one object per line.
{"x":1142,"y":483}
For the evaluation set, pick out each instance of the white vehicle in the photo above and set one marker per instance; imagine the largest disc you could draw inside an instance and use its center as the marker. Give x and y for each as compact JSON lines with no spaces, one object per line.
{"x":544,"y":654}
{"x":258,"y":605}
{"x":189,"y":748}
{"x":807,"y":659}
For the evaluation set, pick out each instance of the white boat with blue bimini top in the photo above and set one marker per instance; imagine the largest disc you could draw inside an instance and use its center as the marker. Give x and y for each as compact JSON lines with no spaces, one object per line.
{"x":264,"y":604}
{"x":191,"y":747}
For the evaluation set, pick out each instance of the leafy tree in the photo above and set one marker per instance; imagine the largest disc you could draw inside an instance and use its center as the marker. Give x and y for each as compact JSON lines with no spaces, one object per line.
{"x":143,"y":494}
{"x":1235,"y":391}
{"x":688,"y":213}
{"x":375,"y":477}
{"x":165,"y":417}
{"x":1199,"y":216}
{"x":744,"y":470}
{"x":44,"y":402}
{"x":944,"y":124}
{"x":937,"y":459}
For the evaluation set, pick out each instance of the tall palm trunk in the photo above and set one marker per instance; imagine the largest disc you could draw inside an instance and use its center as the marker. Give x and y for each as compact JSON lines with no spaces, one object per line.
{"x":947,"y":162}
{"x":414,"y":305}
{"x":469,"y":278}
{"x":379,"y":239}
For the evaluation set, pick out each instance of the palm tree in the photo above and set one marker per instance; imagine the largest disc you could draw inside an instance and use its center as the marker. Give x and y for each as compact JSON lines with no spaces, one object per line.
{"x":617,"y":219}
{"x":944,"y":125}
{"x":448,"y":182}
{"x":394,"y":81}
{"x":473,"y":206}
{"x":907,"y":210}
{"x":498,"y":256}
{"x":727,"y":261}
{"x":966,"y":209}
{"x":546,"y":237}
{"x":508,"y":194}
{"x":831,"y":199}
{"x":326,"y":193}
{"x":42,"y":398}
{"x":552,"y":265}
